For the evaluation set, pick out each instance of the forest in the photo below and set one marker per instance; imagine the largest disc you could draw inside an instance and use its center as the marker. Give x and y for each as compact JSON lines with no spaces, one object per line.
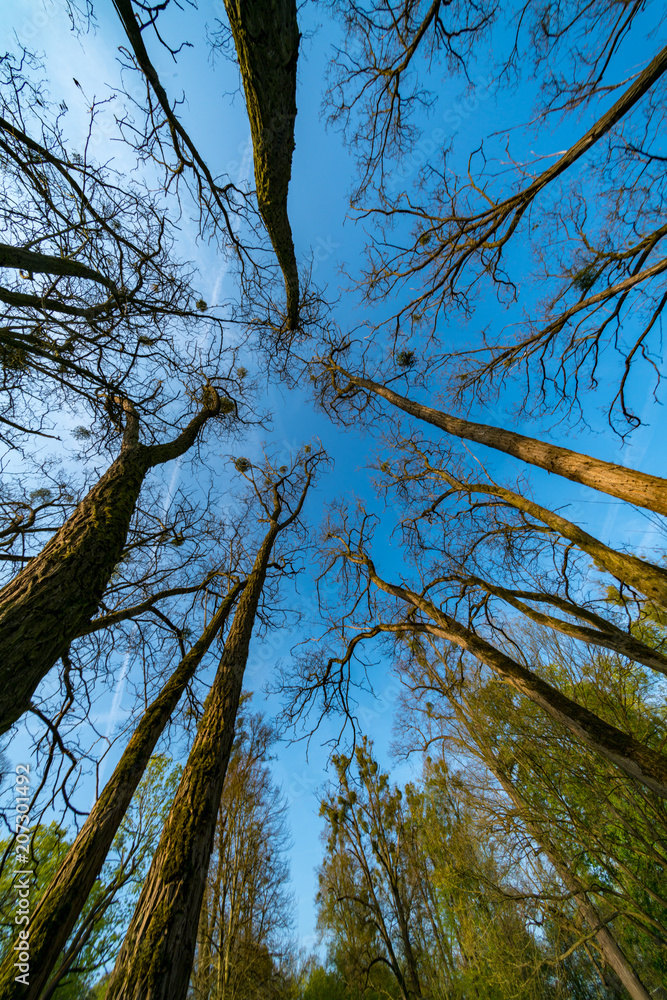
{"x":333,"y":610}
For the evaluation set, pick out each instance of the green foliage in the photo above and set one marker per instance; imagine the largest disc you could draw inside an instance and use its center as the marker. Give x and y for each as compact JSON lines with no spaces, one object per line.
{"x":584,"y":279}
{"x":113,"y":897}
{"x":420,"y":893}
{"x":324,"y":984}
{"x":405,"y":359}
{"x":49,"y":845}
{"x":589,"y":821}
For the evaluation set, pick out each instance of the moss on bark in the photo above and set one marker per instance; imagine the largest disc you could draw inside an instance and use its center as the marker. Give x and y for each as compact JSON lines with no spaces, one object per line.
{"x":49,"y":603}
{"x":266,"y":37}
{"x":59,"y":909}
{"x":156,"y":958}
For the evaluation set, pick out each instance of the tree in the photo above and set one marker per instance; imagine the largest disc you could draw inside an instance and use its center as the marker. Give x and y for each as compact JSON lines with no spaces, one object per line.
{"x":245,"y":914}
{"x":99,"y":312}
{"x":593,"y":826}
{"x":428,"y":852}
{"x":267,"y":63}
{"x":423,"y":611}
{"x":93,"y":932}
{"x":266,"y":37}
{"x":54,"y":597}
{"x":157,"y":955}
{"x":367,"y":889}
{"x":94,"y":302}
{"x":54,"y":918}
{"x":324,"y":984}
{"x":636,"y":487}
{"x":217,"y":198}
{"x":480,"y":936}
{"x":451,"y":234}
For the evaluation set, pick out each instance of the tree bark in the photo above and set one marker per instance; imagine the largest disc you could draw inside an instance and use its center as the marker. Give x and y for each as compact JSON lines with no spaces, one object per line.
{"x":609,"y":947}
{"x":59,"y":909}
{"x":157,"y":955}
{"x":635,"y":487}
{"x":635,"y":758}
{"x":644,"y":576}
{"x":41,"y":263}
{"x":604,"y":633}
{"x":412,"y":975}
{"x":202,"y":969}
{"x":51,"y":601}
{"x":266,"y":36}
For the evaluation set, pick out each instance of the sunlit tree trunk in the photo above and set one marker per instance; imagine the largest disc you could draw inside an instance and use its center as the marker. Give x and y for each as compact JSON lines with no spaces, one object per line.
{"x":58,"y":911}
{"x":266,"y":36}
{"x":157,"y":954}
{"x":627,"y":484}
{"x":49,"y":603}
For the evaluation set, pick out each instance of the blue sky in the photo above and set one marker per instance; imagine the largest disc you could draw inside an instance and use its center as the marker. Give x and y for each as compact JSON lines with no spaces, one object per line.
{"x":322,"y":177}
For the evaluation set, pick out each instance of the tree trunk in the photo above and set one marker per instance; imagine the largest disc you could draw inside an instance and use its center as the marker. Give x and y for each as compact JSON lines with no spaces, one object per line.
{"x":635,"y":758}
{"x":51,"y":601}
{"x":609,"y":948}
{"x":604,"y":633}
{"x":59,"y":909}
{"x":202,"y":968}
{"x":627,"y":484}
{"x":266,"y":36}
{"x":41,"y":263}
{"x":157,"y":954}
{"x":644,"y":576}
{"x":412,"y":975}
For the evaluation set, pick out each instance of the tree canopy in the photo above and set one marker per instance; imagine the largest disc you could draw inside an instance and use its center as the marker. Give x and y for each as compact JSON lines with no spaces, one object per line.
{"x":331,"y":366}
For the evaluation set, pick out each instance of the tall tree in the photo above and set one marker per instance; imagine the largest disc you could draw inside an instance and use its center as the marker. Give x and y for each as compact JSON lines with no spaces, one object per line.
{"x":158,"y":952}
{"x":94,"y":300}
{"x":246,"y":912}
{"x":367,"y":881}
{"x":635,"y":487}
{"x":595,"y":829}
{"x":447,"y":225}
{"x":94,"y":932}
{"x":53,"y":919}
{"x":266,"y":37}
{"x":427,"y":853}
{"x":412,"y":610}
{"x":167,"y":142}
{"x":54,"y":597}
